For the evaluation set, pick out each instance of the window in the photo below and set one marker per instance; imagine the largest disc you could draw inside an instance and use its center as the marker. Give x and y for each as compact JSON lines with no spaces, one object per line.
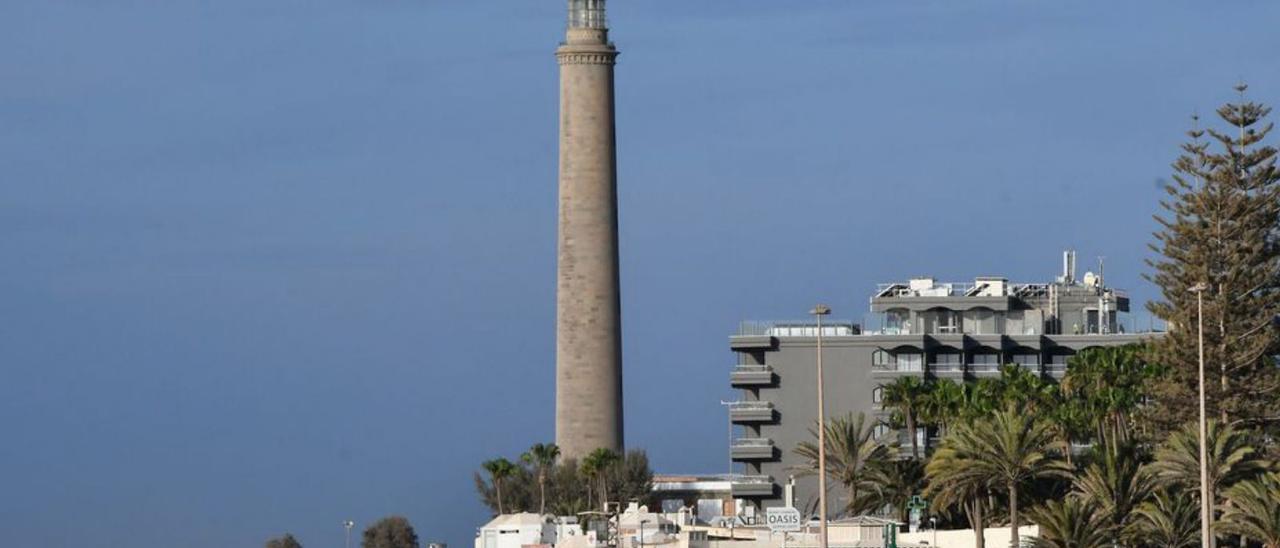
{"x":910,"y":362}
{"x":880,"y":431}
{"x":897,"y":321}
{"x":986,"y":359}
{"x":877,"y":395}
{"x":981,"y":321}
{"x":947,"y":358}
{"x":880,"y":358}
{"x":1027,"y":360}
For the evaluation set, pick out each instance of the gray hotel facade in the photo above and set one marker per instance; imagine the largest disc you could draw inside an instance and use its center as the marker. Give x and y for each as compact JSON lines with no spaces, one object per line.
{"x":927,"y":329}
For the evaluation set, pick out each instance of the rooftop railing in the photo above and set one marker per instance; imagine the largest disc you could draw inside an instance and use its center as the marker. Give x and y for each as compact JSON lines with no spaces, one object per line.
{"x":800,"y":328}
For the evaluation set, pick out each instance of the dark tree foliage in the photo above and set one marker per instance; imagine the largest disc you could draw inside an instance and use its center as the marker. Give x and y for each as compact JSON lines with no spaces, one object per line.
{"x":287,"y":541}
{"x":390,"y":532}
{"x":629,"y":479}
{"x":1220,"y":227}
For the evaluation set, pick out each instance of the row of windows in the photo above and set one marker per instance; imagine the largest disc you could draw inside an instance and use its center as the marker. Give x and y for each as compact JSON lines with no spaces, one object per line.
{"x":909,"y":359}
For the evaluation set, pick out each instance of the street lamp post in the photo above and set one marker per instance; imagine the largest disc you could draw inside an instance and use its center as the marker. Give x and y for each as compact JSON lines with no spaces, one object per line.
{"x":1206,"y":504}
{"x":728,"y":405}
{"x":348,"y":525}
{"x":642,"y":522}
{"x":818,"y":312}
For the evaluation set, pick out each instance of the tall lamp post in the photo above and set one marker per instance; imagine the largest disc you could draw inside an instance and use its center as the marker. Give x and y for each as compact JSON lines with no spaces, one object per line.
{"x":1206,"y":504}
{"x":818,"y":312}
{"x":728,"y":405}
{"x":348,"y":525}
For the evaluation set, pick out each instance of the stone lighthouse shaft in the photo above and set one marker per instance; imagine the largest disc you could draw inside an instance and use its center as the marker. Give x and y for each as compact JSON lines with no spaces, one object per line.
{"x":588,"y":308}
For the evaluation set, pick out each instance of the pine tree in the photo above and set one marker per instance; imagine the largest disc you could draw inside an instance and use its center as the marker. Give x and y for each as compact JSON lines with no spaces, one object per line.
{"x":1221,"y":227}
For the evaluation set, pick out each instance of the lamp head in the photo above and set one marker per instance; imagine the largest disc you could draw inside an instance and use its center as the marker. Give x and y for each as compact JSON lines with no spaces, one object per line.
{"x":821,"y":310}
{"x":1198,"y":288}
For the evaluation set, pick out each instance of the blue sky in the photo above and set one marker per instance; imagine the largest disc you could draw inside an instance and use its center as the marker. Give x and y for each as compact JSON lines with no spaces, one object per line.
{"x":271,"y":265}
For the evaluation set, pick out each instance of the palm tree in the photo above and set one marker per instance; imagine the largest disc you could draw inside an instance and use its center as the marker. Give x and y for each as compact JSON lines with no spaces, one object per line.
{"x":951,"y":486}
{"x":542,"y":457}
{"x":1070,"y":523}
{"x":1231,"y":459}
{"x":905,"y":396}
{"x":1070,"y":421}
{"x":1111,"y":380}
{"x":1170,"y":519}
{"x":1116,"y":482}
{"x":943,"y":404}
{"x":499,"y":470}
{"x":595,"y":466}
{"x":852,"y":455}
{"x":896,"y":481}
{"x":1024,"y":389}
{"x":1254,"y":511}
{"x":1005,"y":452}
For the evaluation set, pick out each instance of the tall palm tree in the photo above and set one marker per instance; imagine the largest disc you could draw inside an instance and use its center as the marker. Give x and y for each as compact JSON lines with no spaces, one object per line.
{"x":499,"y":470}
{"x":595,"y":466}
{"x":1231,"y":459}
{"x":1116,"y":483}
{"x":905,"y":396}
{"x":853,"y":452}
{"x":1006,"y":452}
{"x":1072,"y":522}
{"x":1254,"y":511}
{"x":542,"y":456}
{"x":1169,"y":519}
{"x":952,"y":486}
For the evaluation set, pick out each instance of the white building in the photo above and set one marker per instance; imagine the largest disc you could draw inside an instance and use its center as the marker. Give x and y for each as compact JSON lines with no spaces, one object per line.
{"x":517,"y":531}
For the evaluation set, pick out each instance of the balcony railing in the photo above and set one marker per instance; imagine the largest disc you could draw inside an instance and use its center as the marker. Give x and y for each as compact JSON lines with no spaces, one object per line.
{"x":947,"y":367}
{"x":751,"y":405}
{"x":753,"y":442}
{"x":899,"y":367}
{"x":984,"y":368}
{"x":751,"y":375}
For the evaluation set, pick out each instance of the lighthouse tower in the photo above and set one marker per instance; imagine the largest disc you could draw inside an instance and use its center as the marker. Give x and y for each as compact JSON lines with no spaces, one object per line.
{"x":588,"y":311}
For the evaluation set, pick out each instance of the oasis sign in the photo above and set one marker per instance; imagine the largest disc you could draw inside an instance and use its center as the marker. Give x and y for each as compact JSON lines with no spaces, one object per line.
{"x":782,"y":519}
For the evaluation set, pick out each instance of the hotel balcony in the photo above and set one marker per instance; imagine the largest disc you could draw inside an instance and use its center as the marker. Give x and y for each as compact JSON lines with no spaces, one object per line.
{"x":984,"y":369}
{"x":751,"y":412}
{"x":751,"y":375}
{"x":751,"y":486}
{"x":896,"y":369}
{"x":752,"y":449}
{"x":947,"y":369}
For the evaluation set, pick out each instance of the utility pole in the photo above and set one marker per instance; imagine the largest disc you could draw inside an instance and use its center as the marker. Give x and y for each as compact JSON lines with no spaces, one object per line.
{"x":818,"y":312}
{"x":1206,"y":503}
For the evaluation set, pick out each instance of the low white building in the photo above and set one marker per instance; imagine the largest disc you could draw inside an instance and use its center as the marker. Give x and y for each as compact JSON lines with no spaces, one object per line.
{"x":517,"y":531}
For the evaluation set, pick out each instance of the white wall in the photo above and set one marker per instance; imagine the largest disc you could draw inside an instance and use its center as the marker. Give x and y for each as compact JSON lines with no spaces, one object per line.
{"x":965,"y":538}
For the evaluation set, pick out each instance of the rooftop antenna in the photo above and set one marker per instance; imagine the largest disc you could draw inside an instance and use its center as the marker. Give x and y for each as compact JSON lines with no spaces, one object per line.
{"x":1069,"y":266}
